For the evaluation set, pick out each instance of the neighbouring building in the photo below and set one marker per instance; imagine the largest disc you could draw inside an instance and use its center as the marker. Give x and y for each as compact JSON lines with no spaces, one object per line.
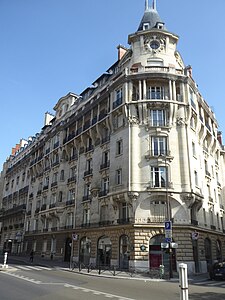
{"x":138,"y":149}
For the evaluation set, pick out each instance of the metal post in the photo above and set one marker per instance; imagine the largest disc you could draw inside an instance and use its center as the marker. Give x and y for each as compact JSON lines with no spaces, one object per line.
{"x":5,"y":266}
{"x":183,"y":282}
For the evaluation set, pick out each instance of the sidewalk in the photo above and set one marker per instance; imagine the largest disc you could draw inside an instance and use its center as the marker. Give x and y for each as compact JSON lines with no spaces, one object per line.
{"x":57,"y":263}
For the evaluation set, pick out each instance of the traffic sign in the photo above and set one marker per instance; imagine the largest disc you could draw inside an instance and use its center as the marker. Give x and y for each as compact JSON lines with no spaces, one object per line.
{"x":168,"y":225}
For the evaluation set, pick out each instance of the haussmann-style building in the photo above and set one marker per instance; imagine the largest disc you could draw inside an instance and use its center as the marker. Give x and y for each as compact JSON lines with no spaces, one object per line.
{"x":132,"y":164}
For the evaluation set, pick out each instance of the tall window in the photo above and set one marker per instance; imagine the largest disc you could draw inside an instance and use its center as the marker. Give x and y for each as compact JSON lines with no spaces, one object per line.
{"x":159,"y":145}
{"x":158,"y":118}
{"x":105,"y":184}
{"x":119,"y":176}
{"x":124,"y":211}
{"x":119,"y":95}
{"x":86,"y":216}
{"x":71,"y":194}
{"x":196,"y":178}
{"x":159,"y":176}
{"x":119,"y":147}
{"x":155,"y":92}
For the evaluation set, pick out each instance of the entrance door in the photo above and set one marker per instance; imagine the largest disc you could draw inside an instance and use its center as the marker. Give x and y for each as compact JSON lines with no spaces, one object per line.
{"x":104,"y":251}
{"x":68,"y":245}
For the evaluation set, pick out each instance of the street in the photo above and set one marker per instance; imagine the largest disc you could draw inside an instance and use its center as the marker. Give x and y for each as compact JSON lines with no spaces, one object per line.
{"x":30,"y":281}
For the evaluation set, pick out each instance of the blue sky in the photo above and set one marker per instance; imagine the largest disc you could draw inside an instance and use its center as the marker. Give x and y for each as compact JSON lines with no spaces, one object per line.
{"x":52,"y":47}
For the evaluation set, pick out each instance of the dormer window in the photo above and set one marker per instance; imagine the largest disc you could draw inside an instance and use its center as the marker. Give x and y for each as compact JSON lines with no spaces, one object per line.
{"x":145,"y":26}
{"x":159,"y":25}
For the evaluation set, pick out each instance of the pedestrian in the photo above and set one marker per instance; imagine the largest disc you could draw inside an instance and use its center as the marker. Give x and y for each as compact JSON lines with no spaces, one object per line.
{"x":32,"y":255}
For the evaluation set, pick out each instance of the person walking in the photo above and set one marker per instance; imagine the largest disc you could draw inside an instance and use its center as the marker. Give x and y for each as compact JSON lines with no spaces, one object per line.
{"x":32,"y":256}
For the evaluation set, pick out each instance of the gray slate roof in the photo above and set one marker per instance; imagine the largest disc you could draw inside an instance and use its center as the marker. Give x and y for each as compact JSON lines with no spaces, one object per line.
{"x":151,"y":16}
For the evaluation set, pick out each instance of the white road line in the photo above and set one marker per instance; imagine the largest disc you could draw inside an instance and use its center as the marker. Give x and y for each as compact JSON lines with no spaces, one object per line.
{"x":99,"y":292}
{"x":34,"y":268}
{"x":22,"y":268}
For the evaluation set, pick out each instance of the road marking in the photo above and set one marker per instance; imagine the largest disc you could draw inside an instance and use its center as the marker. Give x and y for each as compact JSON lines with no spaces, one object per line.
{"x":29,"y":268}
{"x":107,"y":295}
{"x":24,"y":278}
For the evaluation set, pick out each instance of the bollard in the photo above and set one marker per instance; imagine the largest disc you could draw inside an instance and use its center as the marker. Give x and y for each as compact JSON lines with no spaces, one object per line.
{"x":161,"y":271}
{"x":183,"y":282}
{"x":5,"y":266}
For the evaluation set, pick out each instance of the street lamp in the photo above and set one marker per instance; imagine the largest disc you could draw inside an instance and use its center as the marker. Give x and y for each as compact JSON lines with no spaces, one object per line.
{"x":168,"y":216}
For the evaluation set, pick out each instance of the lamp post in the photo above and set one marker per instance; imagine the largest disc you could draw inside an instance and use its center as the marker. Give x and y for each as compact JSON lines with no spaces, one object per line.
{"x":168,"y":217}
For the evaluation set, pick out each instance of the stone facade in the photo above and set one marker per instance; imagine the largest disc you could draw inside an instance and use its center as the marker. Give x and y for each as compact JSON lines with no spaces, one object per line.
{"x":137,"y":148}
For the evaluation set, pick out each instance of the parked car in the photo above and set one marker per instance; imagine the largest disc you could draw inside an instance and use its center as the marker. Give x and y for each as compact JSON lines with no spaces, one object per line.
{"x":217,"y":271}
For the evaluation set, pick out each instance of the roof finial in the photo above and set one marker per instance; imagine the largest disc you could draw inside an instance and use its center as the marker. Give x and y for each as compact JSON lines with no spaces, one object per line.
{"x":154,"y":4}
{"x":146,"y":4}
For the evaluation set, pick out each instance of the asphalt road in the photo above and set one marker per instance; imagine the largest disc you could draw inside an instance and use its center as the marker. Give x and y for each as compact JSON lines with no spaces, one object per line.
{"x":54,"y":284}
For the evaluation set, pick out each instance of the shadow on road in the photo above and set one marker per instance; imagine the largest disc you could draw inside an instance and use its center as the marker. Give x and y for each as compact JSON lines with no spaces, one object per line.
{"x":207,"y":296}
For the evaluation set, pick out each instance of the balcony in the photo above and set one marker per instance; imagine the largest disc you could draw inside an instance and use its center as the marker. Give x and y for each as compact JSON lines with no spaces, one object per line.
{"x":69,"y":137}
{"x":105,"y":165}
{"x":47,"y":151}
{"x":105,"y":223}
{"x":213,"y":227}
{"x":103,"y":193}
{"x":52,"y":205}
{"x":29,"y":213}
{"x":45,"y":187}
{"x":106,"y":139}
{"x":124,"y":221}
{"x":94,"y":120}
{"x":72,"y":179}
{"x":74,"y":157}
{"x":54,"y":229}
{"x":86,"y":125}
{"x":79,"y":130}
{"x":37,"y":210}
{"x":207,"y":173}
{"x":88,"y":172}
{"x":86,"y":198}
{"x":194,"y":222}
{"x":39,"y":192}
{"x":15,"y":210}
{"x":54,"y":184}
{"x":45,"y":230}
{"x":89,"y":148}
{"x":56,"y":145}
{"x":43,"y":207}
{"x":70,"y":202}
{"x":85,"y":225}
{"x":55,"y":163}
{"x":102,"y":114}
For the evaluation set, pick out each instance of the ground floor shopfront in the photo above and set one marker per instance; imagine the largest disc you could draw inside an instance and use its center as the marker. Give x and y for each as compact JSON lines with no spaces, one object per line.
{"x":130,"y":246}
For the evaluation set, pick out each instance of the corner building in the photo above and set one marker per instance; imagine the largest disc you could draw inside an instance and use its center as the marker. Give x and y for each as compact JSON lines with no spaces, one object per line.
{"x":137,"y":148}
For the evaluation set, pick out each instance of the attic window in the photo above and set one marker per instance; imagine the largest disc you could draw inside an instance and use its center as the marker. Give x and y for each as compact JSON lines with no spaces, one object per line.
{"x":159,"y":25}
{"x":145,"y":26}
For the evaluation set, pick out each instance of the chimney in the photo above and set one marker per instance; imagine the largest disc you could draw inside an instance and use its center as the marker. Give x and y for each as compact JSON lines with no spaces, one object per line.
{"x":121,"y":51}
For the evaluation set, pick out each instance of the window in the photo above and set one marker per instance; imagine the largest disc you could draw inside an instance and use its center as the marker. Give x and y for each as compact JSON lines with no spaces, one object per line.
{"x":60,"y":196}
{"x":105,"y":184}
{"x":159,"y":176}
{"x":105,"y":157}
{"x":86,"y":216}
{"x":89,"y":165}
{"x":104,"y":213}
{"x":159,"y":146}
{"x":119,"y":147}
{"x":118,"y":121}
{"x":17,"y":180}
{"x":124,"y":211}
{"x":193,"y":149}
{"x":157,"y":118}
{"x":119,"y":95}
{"x":155,"y":92}
{"x":119,"y":176}
{"x":73,"y":172}
{"x":71,"y":195}
{"x":196,"y":178}
{"x":62,"y":175}
{"x":55,"y":177}
{"x":145,"y":26}
{"x":87,"y":190}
